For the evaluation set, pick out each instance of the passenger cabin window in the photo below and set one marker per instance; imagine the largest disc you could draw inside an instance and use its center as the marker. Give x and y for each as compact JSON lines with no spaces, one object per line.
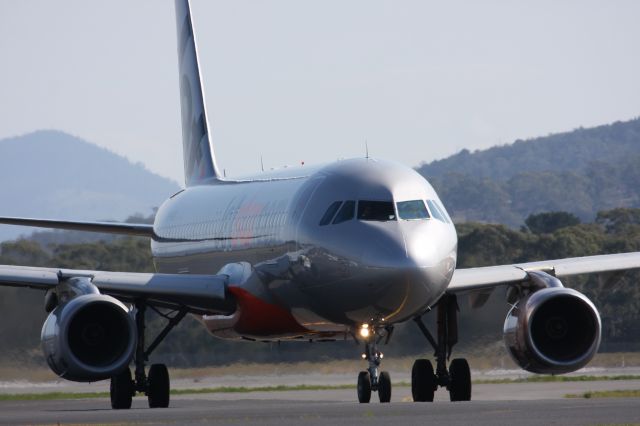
{"x":437,"y":212}
{"x":346,"y":212}
{"x":331,"y":211}
{"x":376,"y":210}
{"x":411,"y":210}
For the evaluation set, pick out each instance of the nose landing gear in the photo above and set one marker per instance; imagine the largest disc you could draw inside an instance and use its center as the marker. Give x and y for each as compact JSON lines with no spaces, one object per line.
{"x":372,"y":380}
{"x":457,"y":379}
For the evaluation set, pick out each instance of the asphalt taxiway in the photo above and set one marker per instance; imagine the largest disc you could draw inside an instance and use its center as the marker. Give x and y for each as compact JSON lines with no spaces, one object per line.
{"x":525,"y":404}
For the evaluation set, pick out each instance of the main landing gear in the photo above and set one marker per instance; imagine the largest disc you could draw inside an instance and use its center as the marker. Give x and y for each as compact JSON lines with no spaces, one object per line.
{"x":372,"y":380}
{"x":457,"y":379}
{"x":155,"y":384}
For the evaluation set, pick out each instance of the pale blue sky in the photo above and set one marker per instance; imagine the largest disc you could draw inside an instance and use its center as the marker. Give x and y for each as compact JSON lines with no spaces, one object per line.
{"x":299,"y":80}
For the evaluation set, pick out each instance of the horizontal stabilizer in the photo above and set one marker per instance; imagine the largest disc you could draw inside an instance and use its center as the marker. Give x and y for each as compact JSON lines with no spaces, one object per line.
{"x":138,"y":229}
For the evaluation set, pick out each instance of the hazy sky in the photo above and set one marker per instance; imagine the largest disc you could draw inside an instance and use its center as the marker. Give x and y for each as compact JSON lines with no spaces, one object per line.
{"x":300,"y":80}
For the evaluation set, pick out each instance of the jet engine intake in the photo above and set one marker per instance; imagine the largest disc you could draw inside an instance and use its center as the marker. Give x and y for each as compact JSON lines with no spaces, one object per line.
{"x":91,"y":337}
{"x":553,"y":331}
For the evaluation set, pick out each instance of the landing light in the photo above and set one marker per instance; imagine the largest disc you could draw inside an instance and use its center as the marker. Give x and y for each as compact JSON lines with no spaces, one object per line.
{"x":364,"y":330}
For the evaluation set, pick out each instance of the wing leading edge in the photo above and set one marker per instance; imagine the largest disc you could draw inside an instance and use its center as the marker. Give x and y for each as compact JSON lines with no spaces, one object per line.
{"x":137,"y":229}
{"x":472,"y":279}
{"x":195,"y":293}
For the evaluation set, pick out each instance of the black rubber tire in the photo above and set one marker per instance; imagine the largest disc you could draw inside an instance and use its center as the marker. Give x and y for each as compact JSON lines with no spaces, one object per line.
{"x":384,"y":387}
{"x":364,"y":387}
{"x":460,"y":380}
{"x":158,"y":386}
{"x":423,"y":381}
{"x":121,"y":390}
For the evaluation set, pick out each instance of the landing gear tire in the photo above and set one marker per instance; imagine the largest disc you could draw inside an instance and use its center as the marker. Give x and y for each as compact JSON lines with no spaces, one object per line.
{"x":384,"y":387}
{"x":158,"y":386}
{"x":121,"y":390}
{"x":460,"y":380}
{"x":423,"y":381}
{"x":364,"y":387}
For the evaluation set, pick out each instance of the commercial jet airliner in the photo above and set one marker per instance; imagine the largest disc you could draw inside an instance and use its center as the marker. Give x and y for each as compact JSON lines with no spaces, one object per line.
{"x":341,"y":251}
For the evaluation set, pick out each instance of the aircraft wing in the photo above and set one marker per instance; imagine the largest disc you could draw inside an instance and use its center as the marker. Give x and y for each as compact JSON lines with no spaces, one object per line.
{"x":474,"y":279}
{"x":195,"y":293}
{"x":137,"y":229}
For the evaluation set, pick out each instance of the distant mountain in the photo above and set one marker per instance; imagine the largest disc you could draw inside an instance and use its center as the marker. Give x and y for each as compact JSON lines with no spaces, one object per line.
{"x":582,"y":172}
{"x":51,"y":174}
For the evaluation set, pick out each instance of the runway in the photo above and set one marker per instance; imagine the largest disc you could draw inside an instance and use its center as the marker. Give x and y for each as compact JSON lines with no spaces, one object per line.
{"x":339,"y":407}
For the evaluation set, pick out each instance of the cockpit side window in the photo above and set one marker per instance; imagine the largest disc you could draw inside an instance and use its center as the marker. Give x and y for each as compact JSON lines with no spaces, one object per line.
{"x":346,"y":212}
{"x":376,"y":210}
{"x":437,"y":212}
{"x":412,"y":210}
{"x":444,"y":212}
{"x":331,"y":211}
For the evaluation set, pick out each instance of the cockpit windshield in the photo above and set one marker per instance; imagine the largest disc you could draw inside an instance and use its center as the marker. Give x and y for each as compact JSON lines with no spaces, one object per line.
{"x":412,"y":210}
{"x":376,"y":210}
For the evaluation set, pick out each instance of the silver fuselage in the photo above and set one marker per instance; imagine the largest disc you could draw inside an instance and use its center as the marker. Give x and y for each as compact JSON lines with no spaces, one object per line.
{"x":330,"y":277}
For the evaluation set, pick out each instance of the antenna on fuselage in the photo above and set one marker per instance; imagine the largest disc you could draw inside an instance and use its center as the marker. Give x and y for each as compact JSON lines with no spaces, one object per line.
{"x":366,"y":149}
{"x":261,"y":163}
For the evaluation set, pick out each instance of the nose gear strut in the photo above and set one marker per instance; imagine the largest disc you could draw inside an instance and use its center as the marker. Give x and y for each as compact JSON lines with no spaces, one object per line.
{"x":372,"y":380}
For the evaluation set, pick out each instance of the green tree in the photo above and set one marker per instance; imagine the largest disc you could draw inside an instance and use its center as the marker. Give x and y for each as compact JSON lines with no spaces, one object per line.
{"x":546,"y":223}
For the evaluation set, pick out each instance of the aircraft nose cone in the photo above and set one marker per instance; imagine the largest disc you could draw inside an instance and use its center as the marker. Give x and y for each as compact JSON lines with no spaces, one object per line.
{"x":402,"y":246}
{"x":428,"y":243}
{"x":422,"y":250}
{"x":384,"y":248}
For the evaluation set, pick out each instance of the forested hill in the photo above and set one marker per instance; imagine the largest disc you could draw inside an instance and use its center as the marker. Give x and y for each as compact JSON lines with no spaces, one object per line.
{"x":571,"y":151}
{"x":582,"y":172}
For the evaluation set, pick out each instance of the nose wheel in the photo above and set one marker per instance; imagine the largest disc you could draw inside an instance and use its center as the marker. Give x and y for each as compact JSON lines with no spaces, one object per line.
{"x":364,"y":387}
{"x":372,"y":380}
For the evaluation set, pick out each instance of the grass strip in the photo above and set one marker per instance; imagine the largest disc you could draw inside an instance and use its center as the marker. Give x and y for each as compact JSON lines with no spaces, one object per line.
{"x":552,"y":379}
{"x":606,"y":394}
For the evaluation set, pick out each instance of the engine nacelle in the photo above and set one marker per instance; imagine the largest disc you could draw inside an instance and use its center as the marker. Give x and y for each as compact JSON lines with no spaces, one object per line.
{"x":89,"y":338}
{"x":553,"y":331}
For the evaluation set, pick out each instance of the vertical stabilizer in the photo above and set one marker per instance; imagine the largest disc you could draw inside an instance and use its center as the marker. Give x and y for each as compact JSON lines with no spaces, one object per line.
{"x":199,"y":159}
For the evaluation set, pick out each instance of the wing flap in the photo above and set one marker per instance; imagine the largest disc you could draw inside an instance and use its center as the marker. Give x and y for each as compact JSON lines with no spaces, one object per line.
{"x":196,"y":293}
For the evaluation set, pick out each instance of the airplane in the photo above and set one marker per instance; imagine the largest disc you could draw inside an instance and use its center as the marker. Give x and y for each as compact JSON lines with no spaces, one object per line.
{"x":345,"y":250}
